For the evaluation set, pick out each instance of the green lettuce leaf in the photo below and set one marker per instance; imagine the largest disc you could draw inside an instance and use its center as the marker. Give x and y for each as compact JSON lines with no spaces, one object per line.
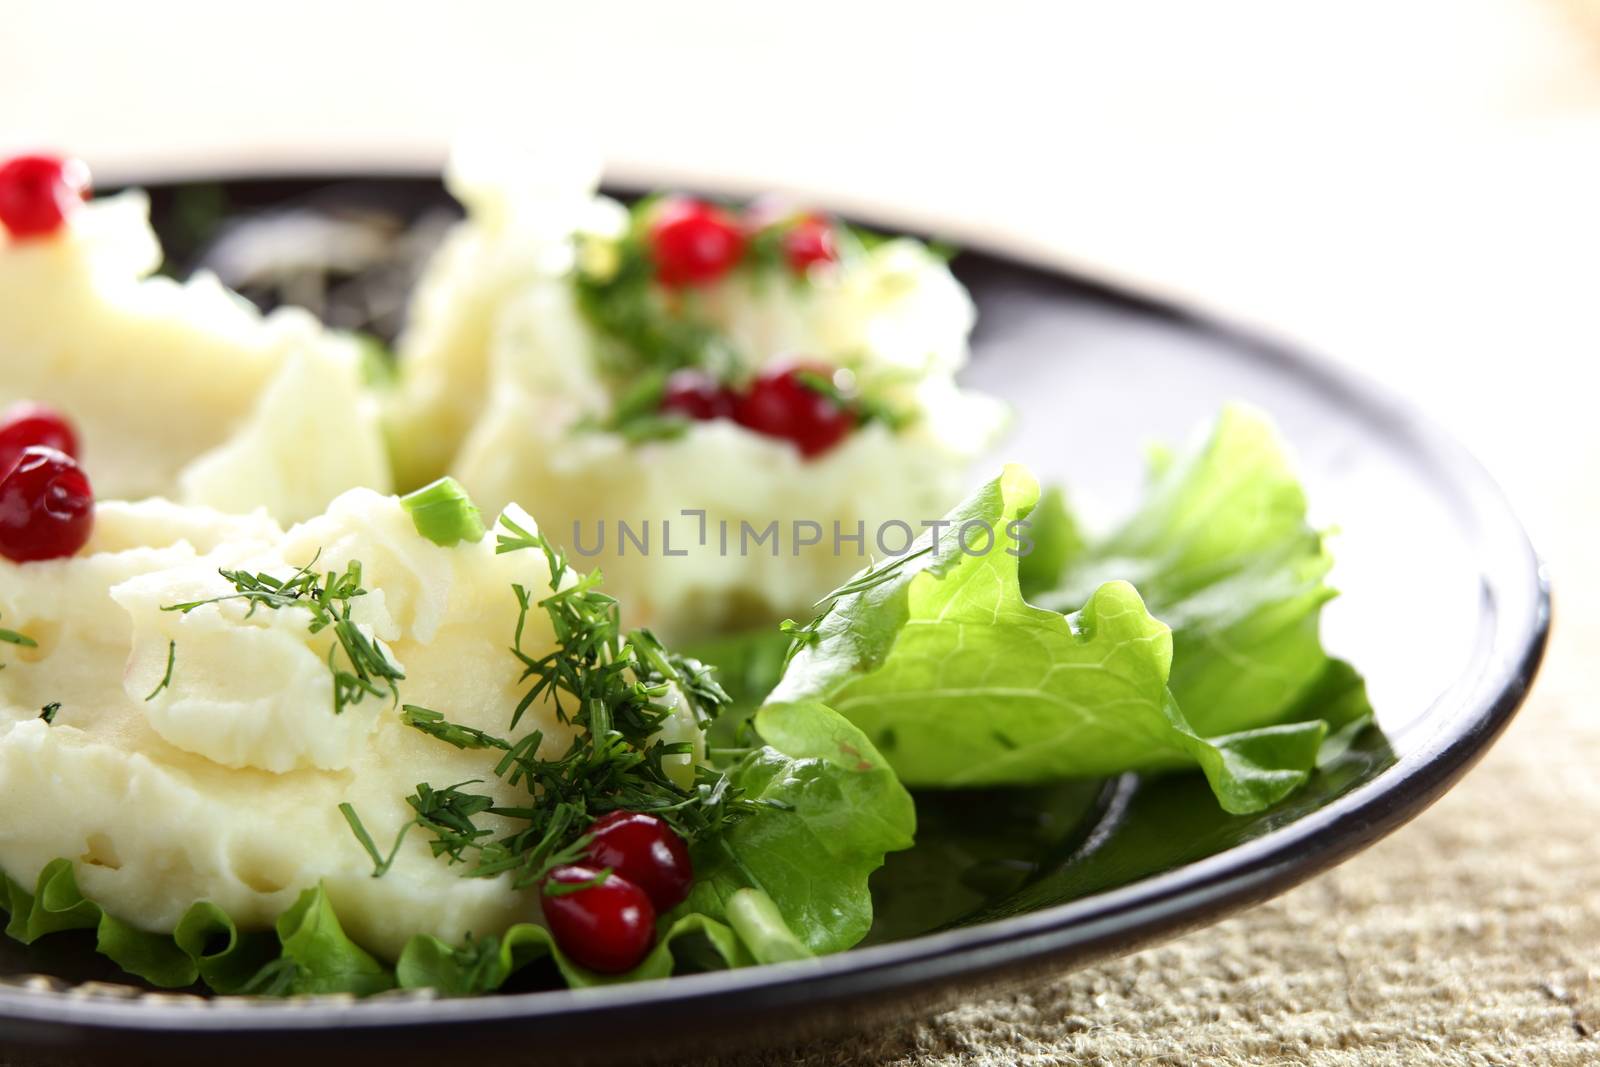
{"x":1221,"y":551}
{"x":835,"y":809}
{"x":484,"y":964}
{"x":307,"y":953}
{"x":960,"y":681}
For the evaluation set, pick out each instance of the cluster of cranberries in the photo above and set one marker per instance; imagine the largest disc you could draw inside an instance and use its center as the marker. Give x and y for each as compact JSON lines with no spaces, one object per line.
{"x":696,"y":243}
{"x":778,"y":404}
{"x":38,"y":192}
{"x":46,"y":505}
{"x":609,"y":924}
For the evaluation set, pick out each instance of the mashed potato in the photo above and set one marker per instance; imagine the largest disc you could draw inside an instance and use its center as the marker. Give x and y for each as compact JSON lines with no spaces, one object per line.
{"x":224,"y":785}
{"x":181,"y":391}
{"x":504,"y":380}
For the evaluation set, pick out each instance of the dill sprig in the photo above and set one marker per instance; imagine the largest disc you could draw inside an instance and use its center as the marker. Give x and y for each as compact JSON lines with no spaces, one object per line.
{"x":803,"y":634}
{"x":12,"y":637}
{"x":613,"y":688}
{"x":434,"y":724}
{"x":380,"y":862}
{"x":866,"y":407}
{"x":166,"y":679}
{"x":368,"y":668}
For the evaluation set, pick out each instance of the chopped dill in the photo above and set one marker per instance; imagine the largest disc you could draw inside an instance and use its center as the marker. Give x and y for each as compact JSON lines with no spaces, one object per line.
{"x":626,"y":307}
{"x":615,"y":689}
{"x":12,"y":637}
{"x":48,"y":712}
{"x":166,"y":679}
{"x":864,"y":407}
{"x":564,"y":889}
{"x":433,"y":723}
{"x":380,"y":862}
{"x":368,"y":670}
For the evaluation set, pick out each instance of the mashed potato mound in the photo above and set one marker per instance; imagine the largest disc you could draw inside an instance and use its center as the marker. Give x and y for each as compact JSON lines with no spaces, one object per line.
{"x":182,"y":391}
{"x":504,"y":380}
{"x":225,"y":783}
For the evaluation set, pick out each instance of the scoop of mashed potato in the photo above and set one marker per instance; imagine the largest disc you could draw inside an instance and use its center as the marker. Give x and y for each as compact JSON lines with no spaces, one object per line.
{"x":220,"y":778}
{"x":504,"y":381}
{"x":182,"y":390}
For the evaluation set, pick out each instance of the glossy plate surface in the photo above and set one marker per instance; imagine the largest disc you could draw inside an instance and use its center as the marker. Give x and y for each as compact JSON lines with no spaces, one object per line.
{"x":1444,"y":609}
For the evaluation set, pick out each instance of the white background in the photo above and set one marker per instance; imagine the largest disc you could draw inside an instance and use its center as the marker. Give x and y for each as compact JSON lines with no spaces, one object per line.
{"x":1412,"y":187}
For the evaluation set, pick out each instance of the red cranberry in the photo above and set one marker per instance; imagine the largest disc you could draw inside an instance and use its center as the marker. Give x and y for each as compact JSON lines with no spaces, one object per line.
{"x":46,"y":507}
{"x":643,"y":849}
{"x":37,"y":193}
{"x":698,"y":395}
{"x":607,"y":927}
{"x":808,"y":242}
{"x":693,"y":243}
{"x":26,"y":425}
{"x":780,"y":404}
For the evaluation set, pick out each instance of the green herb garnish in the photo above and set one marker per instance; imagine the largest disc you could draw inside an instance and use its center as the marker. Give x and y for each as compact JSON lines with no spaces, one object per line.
{"x":166,"y":679}
{"x":565,"y":889}
{"x":444,"y":513}
{"x":649,"y":332}
{"x":433,"y":723}
{"x":609,"y":685}
{"x":864,"y":407}
{"x":628,"y":309}
{"x":48,"y":712}
{"x":369,"y":669}
{"x":637,"y":415}
{"x":380,"y":862}
{"x":12,"y":637}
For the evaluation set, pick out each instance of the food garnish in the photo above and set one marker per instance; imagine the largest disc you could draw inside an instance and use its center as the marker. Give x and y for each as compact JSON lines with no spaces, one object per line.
{"x":603,"y":921}
{"x":368,"y":668}
{"x":696,"y":394}
{"x":693,"y":242}
{"x":46,"y":507}
{"x":643,"y":849}
{"x":39,"y":192}
{"x":810,"y":240}
{"x":26,"y":424}
{"x":615,"y":688}
{"x":12,"y":637}
{"x":783,"y":403}
{"x":444,"y":513}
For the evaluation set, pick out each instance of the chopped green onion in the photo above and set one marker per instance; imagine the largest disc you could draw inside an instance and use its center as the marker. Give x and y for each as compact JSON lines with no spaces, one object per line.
{"x":444,"y":513}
